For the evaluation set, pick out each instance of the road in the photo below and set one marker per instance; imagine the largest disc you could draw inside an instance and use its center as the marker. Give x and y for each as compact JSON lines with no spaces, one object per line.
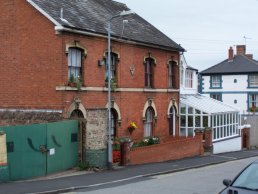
{"x":206,"y":180}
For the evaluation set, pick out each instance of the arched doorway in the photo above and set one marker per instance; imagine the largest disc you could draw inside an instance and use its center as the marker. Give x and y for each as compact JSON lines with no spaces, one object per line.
{"x":172,"y":121}
{"x":77,"y":114}
{"x":114,"y":119}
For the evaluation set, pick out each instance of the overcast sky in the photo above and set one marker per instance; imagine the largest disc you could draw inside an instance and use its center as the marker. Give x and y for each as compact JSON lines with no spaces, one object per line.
{"x":205,"y":28}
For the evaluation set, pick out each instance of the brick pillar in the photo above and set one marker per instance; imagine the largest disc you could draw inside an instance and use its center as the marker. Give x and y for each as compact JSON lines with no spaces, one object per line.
{"x":125,"y":153}
{"x":4,"y":171}
{"x":246,"y":138}
{"x":199,"y":137}
{"x":208,"y":146}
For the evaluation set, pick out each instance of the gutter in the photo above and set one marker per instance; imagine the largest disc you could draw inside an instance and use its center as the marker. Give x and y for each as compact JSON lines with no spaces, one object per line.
{"x":59,"y":28}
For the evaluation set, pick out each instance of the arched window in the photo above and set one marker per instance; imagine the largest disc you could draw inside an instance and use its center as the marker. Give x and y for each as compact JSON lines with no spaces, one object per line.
{"x":172,"y":121}
{"x":114,"y":118}
{"x":149,"y":69}
{"x":113,"y":65}
{"x":148,"y":125}
{"x":74,"y":63}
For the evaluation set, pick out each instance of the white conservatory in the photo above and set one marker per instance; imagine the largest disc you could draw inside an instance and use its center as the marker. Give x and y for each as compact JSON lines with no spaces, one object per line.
{"x":200,"y":112}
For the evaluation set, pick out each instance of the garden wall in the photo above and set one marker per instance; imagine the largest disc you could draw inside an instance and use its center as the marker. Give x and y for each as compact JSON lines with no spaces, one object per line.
{"x":170,"y":150}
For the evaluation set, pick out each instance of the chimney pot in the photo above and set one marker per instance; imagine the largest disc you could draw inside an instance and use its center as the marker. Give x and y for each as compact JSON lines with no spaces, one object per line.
{"x":230,"y":54}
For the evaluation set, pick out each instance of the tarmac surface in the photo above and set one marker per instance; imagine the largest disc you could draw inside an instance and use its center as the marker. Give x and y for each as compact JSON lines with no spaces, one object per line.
{"x":72,"y":180}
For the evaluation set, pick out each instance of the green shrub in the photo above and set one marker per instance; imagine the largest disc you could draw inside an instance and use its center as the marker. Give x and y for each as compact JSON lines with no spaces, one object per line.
{"x":84,"y":166}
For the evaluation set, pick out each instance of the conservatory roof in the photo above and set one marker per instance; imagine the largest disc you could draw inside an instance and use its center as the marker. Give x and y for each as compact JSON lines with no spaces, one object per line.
{"x":206,"y":104}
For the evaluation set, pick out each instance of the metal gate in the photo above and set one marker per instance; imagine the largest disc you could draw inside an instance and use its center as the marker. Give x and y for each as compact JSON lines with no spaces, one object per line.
{"x":40,"y":149}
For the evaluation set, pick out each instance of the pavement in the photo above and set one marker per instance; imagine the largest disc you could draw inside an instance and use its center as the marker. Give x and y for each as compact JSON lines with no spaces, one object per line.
{"x":73,"y":180}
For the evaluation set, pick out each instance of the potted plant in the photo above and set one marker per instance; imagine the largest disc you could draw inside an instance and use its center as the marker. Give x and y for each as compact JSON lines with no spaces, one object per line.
{"x":113,"y":83}
{"x":71,"y":81}
{"x":75,"y":82}
{"x":78,"y":83}
{"x":132,"y":126}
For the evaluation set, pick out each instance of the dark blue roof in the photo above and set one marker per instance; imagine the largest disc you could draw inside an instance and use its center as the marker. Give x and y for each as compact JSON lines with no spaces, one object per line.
{"x":93,"y":15}
{"x":239,"y":65}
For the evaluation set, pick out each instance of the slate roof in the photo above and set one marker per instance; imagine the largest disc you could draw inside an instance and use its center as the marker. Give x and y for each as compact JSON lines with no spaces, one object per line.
{"x":93,"y":15}
{"x":192,"y":68}
{"x":240,"y":65}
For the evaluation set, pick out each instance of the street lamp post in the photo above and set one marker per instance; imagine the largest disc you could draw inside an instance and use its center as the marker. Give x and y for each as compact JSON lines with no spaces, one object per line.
{"x":123,"y":13}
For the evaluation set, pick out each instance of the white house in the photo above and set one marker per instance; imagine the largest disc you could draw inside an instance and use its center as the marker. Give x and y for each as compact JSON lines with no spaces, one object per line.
{"x":188,"y":78}
{"x":233,"y":81}
{"x":201,"y":112}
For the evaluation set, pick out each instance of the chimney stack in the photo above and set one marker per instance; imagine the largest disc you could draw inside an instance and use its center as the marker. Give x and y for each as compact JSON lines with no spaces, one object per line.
{"x":240,"y":49}
{"x":249,"y":56}
{"x":230,"y":54}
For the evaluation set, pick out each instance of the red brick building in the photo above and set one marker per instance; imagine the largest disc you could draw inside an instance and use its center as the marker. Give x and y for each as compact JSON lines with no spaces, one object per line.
{"x":47,"y":44}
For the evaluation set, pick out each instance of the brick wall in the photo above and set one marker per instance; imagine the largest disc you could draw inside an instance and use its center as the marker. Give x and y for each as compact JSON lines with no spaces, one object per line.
{"x":171,"y":150}
{"x":246,"y":137}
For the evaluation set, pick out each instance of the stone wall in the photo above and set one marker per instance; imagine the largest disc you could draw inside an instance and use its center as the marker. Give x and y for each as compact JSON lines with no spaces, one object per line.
{"x":96,"y":137}
{"x":27,"y":117}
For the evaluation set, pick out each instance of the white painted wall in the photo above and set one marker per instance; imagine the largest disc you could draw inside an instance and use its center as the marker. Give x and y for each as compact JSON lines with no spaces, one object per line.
{"x":241,"y":101}
{"x":228,"y":83}
{"x":229,"y":145}
{"x":231,"y":91}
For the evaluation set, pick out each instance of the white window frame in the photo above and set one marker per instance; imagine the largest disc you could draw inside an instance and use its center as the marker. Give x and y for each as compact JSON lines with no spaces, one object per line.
{"x":215,"y":81}
{"x":253,"y":81}
{"x":75,"y":62}
{"x":188,"y":78}
{"x":225,"y":126}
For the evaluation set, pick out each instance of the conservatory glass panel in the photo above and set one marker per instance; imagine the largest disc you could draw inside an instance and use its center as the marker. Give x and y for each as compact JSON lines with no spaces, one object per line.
{"x":190,"y":110}
{"x":198,"y":112}
{"x":182,"y":109}
{"x":205,"y":121}
{"x":183,"y":121}
{"x":190,"y":132}
{"x":197,"y":121}
{"x":190,"y":121}
{"x":182,"y":131}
